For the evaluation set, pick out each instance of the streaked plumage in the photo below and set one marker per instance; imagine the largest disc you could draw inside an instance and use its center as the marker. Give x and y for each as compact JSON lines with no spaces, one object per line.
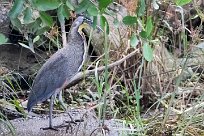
{"x":59,"y":68}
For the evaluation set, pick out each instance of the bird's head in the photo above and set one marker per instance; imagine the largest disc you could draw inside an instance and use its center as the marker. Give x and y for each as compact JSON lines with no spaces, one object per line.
{"x":80,"y":23}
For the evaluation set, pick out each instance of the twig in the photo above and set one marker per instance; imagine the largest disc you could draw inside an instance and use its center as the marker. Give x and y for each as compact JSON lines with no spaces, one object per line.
{"x":64,"y":39}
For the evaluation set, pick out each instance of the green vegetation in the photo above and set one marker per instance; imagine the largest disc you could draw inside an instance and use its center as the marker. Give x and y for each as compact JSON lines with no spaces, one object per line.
{"x":151,"y":91}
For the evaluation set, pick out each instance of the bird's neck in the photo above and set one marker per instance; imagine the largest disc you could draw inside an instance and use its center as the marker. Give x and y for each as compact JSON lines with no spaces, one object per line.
{"x":75,"y":37}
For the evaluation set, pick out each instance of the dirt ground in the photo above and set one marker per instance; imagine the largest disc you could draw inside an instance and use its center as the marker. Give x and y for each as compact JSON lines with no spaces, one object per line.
{"x":90,"y":126}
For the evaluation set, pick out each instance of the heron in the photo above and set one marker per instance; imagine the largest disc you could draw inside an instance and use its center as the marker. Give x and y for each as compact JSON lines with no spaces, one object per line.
{"x":60,"y":68}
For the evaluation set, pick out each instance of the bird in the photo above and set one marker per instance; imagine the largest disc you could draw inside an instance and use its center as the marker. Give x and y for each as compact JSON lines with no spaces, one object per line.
{"x":60,"y":68}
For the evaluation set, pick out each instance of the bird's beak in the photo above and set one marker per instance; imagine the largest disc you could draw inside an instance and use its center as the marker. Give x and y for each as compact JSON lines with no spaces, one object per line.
{"x":82,"y":26}
{"x":87,"y":23}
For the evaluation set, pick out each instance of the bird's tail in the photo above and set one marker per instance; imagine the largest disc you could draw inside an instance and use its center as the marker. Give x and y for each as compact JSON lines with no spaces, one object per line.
{"x":31,"y":102}
{"x":34,"y":98}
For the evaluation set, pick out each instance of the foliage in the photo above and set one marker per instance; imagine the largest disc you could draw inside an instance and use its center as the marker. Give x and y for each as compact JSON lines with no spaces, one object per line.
{"x":129,"y":20}
{"x":6,"y":123}
{"x":182,"y":2}
{"x":43,"y":21}
{"x":134,"y":41}
{"x":3,"y":39}
{"x":10,"y":88}
{"x":143,"y":24}
{"x":35,"y":16}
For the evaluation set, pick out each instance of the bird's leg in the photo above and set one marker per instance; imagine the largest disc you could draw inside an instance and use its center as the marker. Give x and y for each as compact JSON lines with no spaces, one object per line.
{"x":61,"y":101}
{"x":50,"y":115}
{"x":64,"y":106}
{"x":50,"y":112}
{"x":72,"y":121}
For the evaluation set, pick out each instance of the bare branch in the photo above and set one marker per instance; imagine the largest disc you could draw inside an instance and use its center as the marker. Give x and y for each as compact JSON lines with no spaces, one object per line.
{"x":64,"y":37}
{"x":86,"y":73}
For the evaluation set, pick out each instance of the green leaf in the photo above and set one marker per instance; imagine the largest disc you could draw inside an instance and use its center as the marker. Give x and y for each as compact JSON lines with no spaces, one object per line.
{"x":41,"y":30}
{"x":37,"y":38}
{"x":16,"y":23}
{"x":46,"y":19}
{"x":142,"y":7}
{"x":103,"y":4}
{"x":18,"y":105}
{"x":83,"y":6}
{"x":103,"y":23}
{"x":95,"y":19}
{"x":26,"y":46}
{"x":134,"y":41}
{"x":69,"y":5}
{"x":93,"y":11}
{"x":3,"y":39}
{"x":33,"y":27}
{"x":143,"y":34}
{"x":129,"y":20}
{"x":27,"y":15}
{"x":182,"y":2}
{"x":66,"y":12}
{"x":149,"y":27}
{"x":16,"y":9}
{"x":60,"y":14}
{"x":44,"y":5}
{"x":147,"y":52}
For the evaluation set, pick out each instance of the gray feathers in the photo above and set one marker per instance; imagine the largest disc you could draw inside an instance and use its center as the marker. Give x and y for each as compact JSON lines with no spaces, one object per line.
{"x":59,"y":69}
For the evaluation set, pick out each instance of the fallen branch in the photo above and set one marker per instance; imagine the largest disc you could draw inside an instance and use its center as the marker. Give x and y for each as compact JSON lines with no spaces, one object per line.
{"x":87,"y":73}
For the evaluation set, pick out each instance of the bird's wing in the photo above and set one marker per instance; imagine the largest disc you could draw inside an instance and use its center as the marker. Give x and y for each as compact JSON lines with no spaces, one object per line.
{"x":62,"y":66}
{"x":49,"y":78}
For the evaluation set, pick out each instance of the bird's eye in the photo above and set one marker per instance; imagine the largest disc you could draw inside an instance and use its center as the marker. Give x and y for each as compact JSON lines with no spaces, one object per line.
{"x":88,"y":20}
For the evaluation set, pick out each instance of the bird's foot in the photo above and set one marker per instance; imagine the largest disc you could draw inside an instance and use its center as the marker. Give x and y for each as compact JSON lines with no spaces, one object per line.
{"x":69,"y":125}
{"x":74,"y":121}
{"x":50,"y":128}
{"x":104,"y":128}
